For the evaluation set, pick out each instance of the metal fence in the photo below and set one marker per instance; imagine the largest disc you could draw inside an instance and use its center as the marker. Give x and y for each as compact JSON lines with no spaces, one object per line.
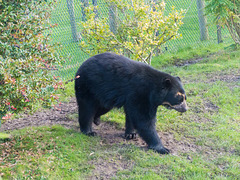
{"x":197,"y":30}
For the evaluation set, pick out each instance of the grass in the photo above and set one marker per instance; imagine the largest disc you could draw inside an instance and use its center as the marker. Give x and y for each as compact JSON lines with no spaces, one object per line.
{"x":4,"y":136}
{"x":207,"y":136}
{"x":187,"y":53}
{"x":46,"y":152}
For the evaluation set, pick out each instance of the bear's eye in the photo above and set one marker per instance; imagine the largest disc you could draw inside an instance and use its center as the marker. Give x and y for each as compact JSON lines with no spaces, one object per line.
{"x":181,"y":98}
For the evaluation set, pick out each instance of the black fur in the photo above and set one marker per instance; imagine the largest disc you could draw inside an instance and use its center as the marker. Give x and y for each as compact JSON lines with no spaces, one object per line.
{"x":108,"y":80}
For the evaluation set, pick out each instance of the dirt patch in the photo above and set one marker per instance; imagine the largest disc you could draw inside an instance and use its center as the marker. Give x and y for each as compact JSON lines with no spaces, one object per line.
{"x":227,"y":78}
{"x":106,"y":130}
{"x":107,"y":169}
{"x":211,"y":107}
{"x":109,"y":133}
{"x":45,"y":117}
{"x":189,"y":62}
{"x":232,"y":77}
{"x":206,"y":107}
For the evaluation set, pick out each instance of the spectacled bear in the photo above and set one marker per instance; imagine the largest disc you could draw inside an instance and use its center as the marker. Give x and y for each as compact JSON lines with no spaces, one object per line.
{"x":108,"y":80}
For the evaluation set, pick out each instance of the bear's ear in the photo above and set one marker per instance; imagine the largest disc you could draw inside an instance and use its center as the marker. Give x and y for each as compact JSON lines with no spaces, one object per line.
{"x":167,"y":82}
{"x":178,"y":78}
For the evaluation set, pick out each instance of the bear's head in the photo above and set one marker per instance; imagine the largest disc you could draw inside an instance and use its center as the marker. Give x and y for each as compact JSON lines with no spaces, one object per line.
{"x":175,"y":97}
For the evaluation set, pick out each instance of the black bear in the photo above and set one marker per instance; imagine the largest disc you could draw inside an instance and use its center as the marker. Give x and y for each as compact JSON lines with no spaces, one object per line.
{"x":109,"y":80}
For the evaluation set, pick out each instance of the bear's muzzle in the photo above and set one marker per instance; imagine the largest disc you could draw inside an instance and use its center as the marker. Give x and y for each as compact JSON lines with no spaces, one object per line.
{"x":180,"y":107}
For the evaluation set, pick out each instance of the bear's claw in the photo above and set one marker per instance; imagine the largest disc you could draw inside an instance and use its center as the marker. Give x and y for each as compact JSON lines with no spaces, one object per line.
{"x":160,"y":149}
{"x":91,"y":134}
{"x":130,"y":136}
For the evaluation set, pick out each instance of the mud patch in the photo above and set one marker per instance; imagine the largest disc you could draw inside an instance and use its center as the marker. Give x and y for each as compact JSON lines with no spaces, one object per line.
{"x":107,"y":131}
{"x":109,"y":135}
{"x":224,"y":77}
{"x":211,"y":107}
{"x":190,"y":62}
{"x":205,"y":107}
{"x":107,"y":169}
{"x":45,"y":118}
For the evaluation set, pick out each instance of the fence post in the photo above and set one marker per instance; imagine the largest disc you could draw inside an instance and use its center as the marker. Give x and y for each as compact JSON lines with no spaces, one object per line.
{"x":158,"y":50}
{"x":95,"y":10}
{"x":219,"y":34}
{"x":202,"y":20}
{"x":83,"y":6}
{"x":72,"y":19}
{"x":112,"y":18}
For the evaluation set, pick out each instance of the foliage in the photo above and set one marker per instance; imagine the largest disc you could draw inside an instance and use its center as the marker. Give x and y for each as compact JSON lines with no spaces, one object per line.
{"x":26,"y":56}
{"x":138,"y":33}
{"x":226,"y":12}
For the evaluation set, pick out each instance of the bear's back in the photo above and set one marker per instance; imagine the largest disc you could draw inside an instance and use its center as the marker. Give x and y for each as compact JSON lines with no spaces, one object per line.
{"x":112,"y":63}
{"x":112,"y":79}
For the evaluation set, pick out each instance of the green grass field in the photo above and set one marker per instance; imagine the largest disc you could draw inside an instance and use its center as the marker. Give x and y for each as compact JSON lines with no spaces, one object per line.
{"x":204,"y":141}
{"x":74,"y":57}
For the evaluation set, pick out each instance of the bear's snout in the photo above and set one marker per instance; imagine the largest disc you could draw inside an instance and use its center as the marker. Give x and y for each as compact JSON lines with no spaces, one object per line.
{"x":181,"y":107}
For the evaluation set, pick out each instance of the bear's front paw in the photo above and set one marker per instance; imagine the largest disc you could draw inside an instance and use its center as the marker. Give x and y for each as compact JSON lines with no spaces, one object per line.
{"x":91,"y":134}
{"x":129,"y":136}
{"x":160,"y":149}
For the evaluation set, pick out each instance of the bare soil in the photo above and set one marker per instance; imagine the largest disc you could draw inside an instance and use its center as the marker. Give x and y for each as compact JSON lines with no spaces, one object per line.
{"x":45,"y":117}
{"x":190,"y":61}
{"x":65,"y":115}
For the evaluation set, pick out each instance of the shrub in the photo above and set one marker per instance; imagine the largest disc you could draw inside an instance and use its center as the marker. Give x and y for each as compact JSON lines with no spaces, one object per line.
{"x":140,"y":30}
{"x":226,"y":12}
{"x":27,"y":58}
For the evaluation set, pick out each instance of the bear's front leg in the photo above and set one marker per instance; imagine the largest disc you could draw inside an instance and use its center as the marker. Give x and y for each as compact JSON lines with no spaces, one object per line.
{"x":149,"y":134}
{"x":145,"y":126}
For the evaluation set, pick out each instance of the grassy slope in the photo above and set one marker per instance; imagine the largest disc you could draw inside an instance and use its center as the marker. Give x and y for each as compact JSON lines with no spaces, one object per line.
{"x":212,"y":124}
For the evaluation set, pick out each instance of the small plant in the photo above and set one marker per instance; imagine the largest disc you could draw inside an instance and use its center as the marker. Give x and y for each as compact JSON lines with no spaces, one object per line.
{"x":226,"y":12}
{"x":138,"y":32}
{"x":27,"y":59}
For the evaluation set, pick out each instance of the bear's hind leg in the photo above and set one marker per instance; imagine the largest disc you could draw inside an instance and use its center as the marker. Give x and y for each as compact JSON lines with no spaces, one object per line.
{"x":86,"y":111}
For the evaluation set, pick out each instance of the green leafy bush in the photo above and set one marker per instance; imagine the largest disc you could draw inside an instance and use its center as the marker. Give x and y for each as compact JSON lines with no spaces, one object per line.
{"x":27,"y":58}
{"x":226,"y":12}
{"x":139,"y":31}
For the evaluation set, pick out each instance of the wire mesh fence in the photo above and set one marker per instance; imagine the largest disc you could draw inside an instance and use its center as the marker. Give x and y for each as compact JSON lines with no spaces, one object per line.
{"x":196,"y":30}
